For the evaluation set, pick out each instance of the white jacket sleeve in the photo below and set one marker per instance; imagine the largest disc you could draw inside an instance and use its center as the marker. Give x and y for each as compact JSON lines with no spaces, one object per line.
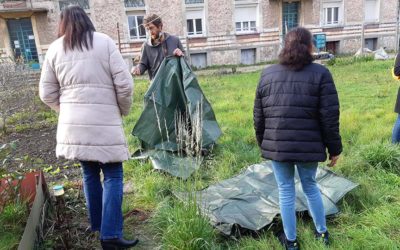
{"x":122,"y":79}
{"x":49,"y":87}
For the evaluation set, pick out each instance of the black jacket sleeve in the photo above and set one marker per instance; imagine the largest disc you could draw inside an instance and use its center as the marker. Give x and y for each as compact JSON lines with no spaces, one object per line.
{"x":144,"y":61}
{"x":258,"y":116}
{"x":397,"y":65}
{"x":329,"y":115}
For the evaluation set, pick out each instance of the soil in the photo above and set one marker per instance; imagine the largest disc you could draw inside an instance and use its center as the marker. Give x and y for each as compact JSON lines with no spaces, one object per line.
{"x":35,"y":148}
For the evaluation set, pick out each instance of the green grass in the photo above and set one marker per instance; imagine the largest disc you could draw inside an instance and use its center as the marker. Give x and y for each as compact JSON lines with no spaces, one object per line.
{"x":12,"y":222}
{"x":369,"y":217}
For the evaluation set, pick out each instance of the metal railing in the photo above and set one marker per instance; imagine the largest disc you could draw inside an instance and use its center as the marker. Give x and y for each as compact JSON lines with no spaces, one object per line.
{"x":134,"y":3}
{"x":84,"y":4}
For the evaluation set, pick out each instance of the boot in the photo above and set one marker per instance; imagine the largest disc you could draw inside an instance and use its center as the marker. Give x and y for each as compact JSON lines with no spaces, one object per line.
{"x":324,"y":237}
{"x":119,"y":243}
{"x":287,"y":244}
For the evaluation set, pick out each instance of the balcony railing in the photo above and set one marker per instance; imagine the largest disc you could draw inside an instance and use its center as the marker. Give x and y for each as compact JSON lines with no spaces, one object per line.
{"x":193,"y":1}
{"x":12,"y":4}
{"x":134,"y":3}
{"x":84,"y":4}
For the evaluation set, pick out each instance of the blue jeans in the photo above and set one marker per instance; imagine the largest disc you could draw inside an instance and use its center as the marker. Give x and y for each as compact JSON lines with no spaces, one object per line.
{"x":396,"y":131}
{"x":284,"y":175}
{"x":104,"y":204}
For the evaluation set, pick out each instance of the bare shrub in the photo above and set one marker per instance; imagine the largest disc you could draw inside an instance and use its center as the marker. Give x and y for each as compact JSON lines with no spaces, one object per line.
{"x":17,"y":92}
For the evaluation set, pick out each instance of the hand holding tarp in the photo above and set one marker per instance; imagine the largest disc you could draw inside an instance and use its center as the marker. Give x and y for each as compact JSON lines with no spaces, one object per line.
{"x":135,"y":71}
{"x":178,"y":52}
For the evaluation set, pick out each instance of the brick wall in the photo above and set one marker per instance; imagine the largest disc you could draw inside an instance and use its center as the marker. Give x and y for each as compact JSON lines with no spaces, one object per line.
{"x":221,"y":17}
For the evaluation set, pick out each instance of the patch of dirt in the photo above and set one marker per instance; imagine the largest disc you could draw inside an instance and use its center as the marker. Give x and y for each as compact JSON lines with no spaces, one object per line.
{"x":35,"y":148}
{"x":138,"y":225}
{"x":74,"y":230}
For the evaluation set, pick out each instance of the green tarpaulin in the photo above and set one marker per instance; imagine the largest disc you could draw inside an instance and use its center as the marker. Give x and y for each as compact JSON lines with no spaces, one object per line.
{"x":177,"y":122}
{"x":251,"y":199}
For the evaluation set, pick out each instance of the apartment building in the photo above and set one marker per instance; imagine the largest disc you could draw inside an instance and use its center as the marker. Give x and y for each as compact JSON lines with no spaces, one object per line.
{"x":214,"y":32}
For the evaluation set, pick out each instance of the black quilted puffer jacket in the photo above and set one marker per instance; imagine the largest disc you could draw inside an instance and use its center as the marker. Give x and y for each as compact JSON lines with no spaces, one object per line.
{"x":296,"y":114}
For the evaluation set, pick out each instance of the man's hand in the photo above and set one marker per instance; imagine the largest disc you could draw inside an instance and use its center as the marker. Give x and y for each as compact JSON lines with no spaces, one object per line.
{"x":334,"y":160}
{"x":178,"y":52}
{"x":135,"y":71}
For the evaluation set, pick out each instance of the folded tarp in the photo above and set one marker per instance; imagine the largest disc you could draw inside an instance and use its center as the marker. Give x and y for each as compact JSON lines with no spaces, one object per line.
{"x":251,"y":199}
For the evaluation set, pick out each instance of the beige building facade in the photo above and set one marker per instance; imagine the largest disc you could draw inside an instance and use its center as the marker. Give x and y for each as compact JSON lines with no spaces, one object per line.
{"x":214,"y":32}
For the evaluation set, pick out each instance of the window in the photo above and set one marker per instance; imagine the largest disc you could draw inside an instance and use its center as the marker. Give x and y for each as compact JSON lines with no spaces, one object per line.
{"x":332,"y":15}
{"x":194,"y":27}
{"x":248,"y":56}
{"x":332,"y":12}
{"x":246,"y":26}
{"x":371,"y":11}
{"x":136,"y":28}
{"x":371,"y":43}
{"x":246,"y":19}
{"x":134,"y":3}
{"x":194,"y":22}
{"x":333,"y":47}
{"x":193,"y":1}
{"x":84,"y":4}
{"x":199,"y":60}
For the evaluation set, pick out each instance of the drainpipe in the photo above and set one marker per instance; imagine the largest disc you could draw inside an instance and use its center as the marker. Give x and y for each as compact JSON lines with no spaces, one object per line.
{"x":362,"y":28}
{"x":119,"y":38}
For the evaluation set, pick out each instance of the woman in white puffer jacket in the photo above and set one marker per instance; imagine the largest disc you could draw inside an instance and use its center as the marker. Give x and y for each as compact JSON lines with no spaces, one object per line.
{"x":86,"y":80}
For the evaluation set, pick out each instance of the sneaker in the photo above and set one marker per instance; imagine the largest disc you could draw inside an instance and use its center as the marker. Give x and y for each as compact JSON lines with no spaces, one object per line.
{"x":289,"y":245}
{"x":324,"y":237}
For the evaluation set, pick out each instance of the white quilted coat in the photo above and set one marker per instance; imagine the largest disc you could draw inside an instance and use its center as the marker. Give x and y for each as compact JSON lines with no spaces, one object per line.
{"x":91,"y":90}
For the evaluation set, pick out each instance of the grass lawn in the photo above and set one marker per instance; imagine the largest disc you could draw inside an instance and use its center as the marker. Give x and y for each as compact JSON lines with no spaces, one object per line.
{"x":370,"y":215}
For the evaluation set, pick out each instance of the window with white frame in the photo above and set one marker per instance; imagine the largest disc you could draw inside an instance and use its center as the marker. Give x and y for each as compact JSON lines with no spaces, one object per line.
{"x":136,"y":28}
{"x":371,"y":10}
{"x":195,"y":22}
{"x":332,"y":12}
{"x":245,"y":19}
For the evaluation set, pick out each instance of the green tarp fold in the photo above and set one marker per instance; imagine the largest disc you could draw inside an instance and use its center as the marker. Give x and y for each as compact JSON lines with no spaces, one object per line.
{"x":251,"y":199}
{"x":177,"y":123}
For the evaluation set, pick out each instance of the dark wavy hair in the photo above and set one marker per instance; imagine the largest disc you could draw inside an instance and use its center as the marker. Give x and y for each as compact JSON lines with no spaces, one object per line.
{"x":296,"y":52}
{"x":76,"y":28}
{"x":154,"y":19}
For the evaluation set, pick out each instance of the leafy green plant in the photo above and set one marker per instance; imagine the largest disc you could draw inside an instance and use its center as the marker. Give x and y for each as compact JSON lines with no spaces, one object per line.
{"x":14,"y":214}
{"x":6,"y":153}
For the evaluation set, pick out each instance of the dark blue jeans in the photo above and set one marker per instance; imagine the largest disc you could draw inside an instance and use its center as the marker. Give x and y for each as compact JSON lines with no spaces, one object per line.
{"x":104,"y":202}
{"x":396,"y":131}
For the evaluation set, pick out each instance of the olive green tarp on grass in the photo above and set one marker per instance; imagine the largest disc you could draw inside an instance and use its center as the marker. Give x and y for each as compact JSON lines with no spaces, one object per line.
{"x":251,"y":199}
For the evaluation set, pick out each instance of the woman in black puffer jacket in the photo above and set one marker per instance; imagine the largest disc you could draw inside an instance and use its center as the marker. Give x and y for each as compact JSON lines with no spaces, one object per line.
{"x":296,"y":119}
{"x":396,"y":129}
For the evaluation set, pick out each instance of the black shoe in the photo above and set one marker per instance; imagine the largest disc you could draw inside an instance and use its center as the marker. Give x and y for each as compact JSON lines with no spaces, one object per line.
{"x":289,"y":245}
{"x":120,"y":243}
{"x":324,"y":237}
